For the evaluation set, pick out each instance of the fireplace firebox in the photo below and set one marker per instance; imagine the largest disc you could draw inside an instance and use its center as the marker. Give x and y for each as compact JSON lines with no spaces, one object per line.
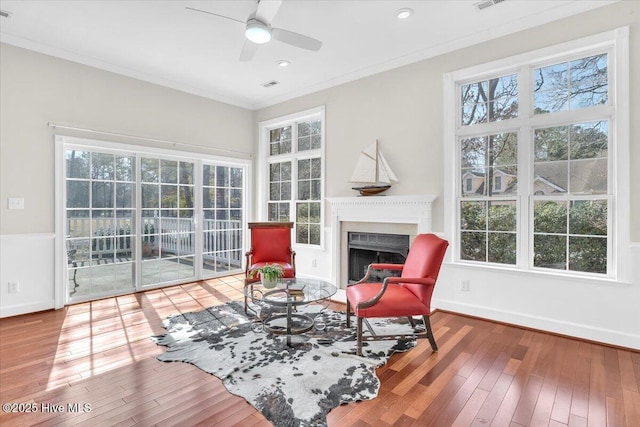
{"x":367,"y":248}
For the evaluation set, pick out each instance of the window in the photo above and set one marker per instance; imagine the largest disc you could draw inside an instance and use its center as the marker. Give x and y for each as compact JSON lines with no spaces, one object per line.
{"x":571,"y":199}
{"x":535,"y":177}
{"x":469,"y":185}
{"x":497,"y":183}
{"x":487,"y":216}
{"x":570,"y":85}
{"x":292,"y":153}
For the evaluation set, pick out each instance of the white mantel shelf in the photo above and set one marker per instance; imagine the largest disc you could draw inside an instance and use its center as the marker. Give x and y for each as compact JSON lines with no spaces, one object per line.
{"x":414,"y":209}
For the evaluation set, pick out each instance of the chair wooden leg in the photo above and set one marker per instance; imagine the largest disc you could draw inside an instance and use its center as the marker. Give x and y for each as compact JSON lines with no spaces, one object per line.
{"x":432,"y":339}
{"x":359,"y":334}
{"x":348,"y":314}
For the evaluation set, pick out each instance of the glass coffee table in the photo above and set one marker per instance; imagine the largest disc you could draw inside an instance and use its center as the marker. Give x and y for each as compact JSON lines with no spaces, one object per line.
{"x":277,"y":309}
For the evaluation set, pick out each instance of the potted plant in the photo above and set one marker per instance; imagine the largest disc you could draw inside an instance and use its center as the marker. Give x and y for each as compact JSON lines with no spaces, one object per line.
{"x":269,"y":274}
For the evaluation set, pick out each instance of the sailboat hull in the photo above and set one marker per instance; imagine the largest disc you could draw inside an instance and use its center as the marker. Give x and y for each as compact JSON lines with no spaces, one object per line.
{"x":371,"y":190}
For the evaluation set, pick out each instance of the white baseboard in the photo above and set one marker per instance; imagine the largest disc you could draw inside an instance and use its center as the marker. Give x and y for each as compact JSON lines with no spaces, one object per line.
{"x":31,"y":307}
{"x":586,"y":332}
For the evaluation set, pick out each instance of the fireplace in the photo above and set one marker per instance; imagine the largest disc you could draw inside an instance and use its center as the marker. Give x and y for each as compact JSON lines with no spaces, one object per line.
{"x":367,"y":248}
{"x":399,"y":215}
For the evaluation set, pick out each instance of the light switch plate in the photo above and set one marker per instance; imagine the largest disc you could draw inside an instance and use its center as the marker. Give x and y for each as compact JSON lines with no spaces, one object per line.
{"x":16,"y":203}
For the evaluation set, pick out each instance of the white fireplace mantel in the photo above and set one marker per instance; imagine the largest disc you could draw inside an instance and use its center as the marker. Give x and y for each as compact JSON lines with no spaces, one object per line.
{"x":377,"y":209}
{"x":391,"y":209}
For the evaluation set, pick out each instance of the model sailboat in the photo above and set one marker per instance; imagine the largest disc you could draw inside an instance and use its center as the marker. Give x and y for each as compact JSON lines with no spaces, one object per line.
{"x":372,"y":170}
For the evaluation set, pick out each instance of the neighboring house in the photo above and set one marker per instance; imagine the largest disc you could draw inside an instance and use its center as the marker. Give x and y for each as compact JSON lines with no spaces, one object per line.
{"x":473,"y":182}
{"x":541,"y":185}
{"x":553,"y":179}
{"x":503,"y":182}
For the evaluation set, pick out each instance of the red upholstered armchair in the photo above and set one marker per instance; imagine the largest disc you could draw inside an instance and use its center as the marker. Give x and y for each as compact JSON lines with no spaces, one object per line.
{"x":405,"y":296}
{"x":270,"y":244}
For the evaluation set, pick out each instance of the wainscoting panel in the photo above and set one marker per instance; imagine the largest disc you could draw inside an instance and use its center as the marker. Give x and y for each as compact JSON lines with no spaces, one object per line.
{"x":27,"y":259}
{"x":595,"y":310}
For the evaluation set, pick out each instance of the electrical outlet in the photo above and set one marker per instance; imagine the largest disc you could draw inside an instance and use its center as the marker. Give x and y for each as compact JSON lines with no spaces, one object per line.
{"x":464,"y":286}
{"x":14,"y":287}
{"x":314,"y":263}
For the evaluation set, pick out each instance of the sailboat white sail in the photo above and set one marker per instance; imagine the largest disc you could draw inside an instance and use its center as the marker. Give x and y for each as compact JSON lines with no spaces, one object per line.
{"x":372,"y":170}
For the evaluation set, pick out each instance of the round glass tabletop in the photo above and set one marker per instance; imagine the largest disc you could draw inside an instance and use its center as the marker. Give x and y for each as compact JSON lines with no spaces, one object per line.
{"x":291,"y":292}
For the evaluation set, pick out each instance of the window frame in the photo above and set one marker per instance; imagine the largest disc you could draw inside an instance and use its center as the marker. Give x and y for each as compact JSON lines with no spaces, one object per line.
{"x":265,"y":159}
{"x":616,"y":112}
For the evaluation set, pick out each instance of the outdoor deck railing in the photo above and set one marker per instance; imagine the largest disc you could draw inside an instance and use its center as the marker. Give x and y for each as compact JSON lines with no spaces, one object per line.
{"x":167,"y":236}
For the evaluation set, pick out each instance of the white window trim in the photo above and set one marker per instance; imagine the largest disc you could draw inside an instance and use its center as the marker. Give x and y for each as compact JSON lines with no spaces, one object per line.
{"x":263,"y":171}
{"x":617,"y":41}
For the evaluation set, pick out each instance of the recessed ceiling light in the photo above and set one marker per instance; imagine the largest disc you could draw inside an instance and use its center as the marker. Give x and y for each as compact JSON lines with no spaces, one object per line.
{"x":404,"y":13}
{"x":283,"y":63}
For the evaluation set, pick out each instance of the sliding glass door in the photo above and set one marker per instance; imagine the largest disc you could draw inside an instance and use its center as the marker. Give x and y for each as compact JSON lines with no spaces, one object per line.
{"x":168,"y":228}
{"x":100,"y":235}
{"x":137,"y":220}
{"x":222,"y":224}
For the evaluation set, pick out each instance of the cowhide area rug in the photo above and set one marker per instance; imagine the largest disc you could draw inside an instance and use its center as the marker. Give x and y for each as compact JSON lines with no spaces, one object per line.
{"x":295,"y":385}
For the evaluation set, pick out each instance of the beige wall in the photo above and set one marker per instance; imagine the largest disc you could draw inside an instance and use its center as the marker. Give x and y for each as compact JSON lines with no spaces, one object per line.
{"x":403,"y":108}
{"x":37,"y":89}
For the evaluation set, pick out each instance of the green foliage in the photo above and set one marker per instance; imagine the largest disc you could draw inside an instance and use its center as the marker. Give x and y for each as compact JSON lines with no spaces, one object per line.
{"x":473,"y":215}
{"x":550,"y":251}
{"x":588,"y":254}
{"x":502,"y":248}
{"x":564,"y":237}
{"x":578,"y":141}
{"x":588,"y":217}
{"x":269,"y":272}
{"x":551,"y":143}
{"x":473,"y":246}
{"x":549,"y":217}
{"x":502,"y":216}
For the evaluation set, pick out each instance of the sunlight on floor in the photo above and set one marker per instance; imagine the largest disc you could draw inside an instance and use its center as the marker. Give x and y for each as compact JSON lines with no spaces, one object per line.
{"x":100,"y":336}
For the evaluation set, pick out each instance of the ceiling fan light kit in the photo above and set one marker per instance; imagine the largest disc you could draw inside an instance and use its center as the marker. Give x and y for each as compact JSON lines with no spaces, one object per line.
{"x":257,"y":32}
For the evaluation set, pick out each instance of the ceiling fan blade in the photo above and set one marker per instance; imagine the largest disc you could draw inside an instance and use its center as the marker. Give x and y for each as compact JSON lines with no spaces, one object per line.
{"x":267,"y":10}
{"x":296,"y":39}
{"x":248,"y":51}
{"x":214,"y":14}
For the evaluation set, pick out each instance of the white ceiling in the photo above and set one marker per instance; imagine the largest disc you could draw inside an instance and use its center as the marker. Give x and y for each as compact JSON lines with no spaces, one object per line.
{"x":164,"y":43}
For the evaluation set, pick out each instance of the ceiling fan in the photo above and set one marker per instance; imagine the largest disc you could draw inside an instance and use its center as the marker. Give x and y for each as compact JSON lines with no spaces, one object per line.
{"x":258,"y":29}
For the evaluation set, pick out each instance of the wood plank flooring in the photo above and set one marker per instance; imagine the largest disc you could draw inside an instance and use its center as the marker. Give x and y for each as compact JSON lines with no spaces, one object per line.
{"x":486,"y":374}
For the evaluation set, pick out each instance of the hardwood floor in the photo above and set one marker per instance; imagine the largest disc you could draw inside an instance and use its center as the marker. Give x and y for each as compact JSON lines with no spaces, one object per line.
{"x":100,"y":354}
